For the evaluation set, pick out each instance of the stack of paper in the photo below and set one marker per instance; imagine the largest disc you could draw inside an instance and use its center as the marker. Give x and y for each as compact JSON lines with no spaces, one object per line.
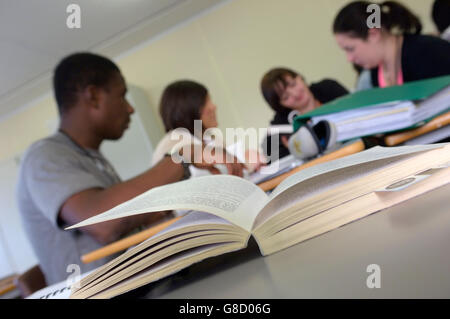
{"x":384,"y":110}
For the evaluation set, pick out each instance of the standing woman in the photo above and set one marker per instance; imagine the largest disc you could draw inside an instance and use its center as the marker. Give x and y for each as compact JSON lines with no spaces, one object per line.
{"x":395,"y":53}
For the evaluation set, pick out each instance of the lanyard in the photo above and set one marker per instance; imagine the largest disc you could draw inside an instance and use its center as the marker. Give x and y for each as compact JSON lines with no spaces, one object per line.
{"x":101,"y":164}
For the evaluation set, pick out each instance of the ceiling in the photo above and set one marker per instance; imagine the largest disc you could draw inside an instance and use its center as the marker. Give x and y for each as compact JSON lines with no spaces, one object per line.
{"x":34,"y":36}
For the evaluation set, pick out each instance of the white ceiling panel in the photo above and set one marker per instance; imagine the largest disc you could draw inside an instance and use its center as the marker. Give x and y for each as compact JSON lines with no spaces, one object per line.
{"x":34,"y":36}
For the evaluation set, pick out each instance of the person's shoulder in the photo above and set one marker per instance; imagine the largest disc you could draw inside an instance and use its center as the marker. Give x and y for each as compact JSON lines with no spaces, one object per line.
{"x":421,"y":42}
{"x":327,"y":84}
{"x":46,"y":149}
{"x":327,"y":90}
{"x":280,"y":118}
{"x":432,"y":53}
{"x":422,"y":38}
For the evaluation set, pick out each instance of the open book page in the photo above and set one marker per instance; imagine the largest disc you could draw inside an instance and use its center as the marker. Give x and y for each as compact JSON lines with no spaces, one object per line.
{"x":372,"y":154}
{"x":167,"y":267}
{"x":319,"y":184}
{"x":229,"y":197}
{"x":285,"y":194}
{"x":140,"y":263}
{"x":353,"y":210}
{"x":193,"y":226}
{"x":60,"y":290}
{"x":191,"y":220}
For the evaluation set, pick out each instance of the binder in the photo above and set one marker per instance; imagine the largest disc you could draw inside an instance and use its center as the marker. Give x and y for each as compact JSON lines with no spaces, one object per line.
{"x":386,"y":109}
{"x":433,"y":125}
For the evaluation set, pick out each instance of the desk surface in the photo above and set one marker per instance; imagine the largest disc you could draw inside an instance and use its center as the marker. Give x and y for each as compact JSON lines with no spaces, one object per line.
{"x":410,"y":242}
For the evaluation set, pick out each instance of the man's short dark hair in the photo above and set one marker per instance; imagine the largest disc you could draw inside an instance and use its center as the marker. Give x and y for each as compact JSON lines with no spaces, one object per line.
{"x":77,"y":71}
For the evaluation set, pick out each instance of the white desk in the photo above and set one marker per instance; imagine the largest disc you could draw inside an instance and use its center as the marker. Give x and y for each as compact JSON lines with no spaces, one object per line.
{"x":410,"y":242}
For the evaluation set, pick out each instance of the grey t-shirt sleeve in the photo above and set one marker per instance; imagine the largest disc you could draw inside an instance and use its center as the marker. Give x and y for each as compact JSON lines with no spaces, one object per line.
{"x":52,"y":176}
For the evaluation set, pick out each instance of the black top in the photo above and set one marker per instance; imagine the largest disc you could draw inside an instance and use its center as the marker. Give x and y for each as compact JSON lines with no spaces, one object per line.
{"x":423,"y":57}
{"x":324,"y":91}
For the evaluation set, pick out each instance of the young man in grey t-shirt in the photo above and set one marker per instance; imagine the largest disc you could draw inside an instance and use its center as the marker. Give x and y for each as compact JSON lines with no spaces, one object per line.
{"x":64,"y":179}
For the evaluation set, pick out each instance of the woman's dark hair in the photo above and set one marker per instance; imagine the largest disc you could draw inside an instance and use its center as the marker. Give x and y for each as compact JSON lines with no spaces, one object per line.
{"x":394,"y":17}
{"x":181,"y":104}
{"x":77,"y":71}
{"x":271,"y":84}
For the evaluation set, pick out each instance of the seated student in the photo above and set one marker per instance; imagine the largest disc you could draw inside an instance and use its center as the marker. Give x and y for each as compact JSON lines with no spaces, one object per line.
{"x":187,"y":112}
{"x":441,"y":17}
{"x":396,"y":52}
{"x":64,"y":179}
{"x":288,"y":95}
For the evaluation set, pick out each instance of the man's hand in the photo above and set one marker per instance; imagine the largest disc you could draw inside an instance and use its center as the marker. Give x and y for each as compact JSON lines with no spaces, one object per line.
{"x":206,"y":157}
{"x":254,"y":160}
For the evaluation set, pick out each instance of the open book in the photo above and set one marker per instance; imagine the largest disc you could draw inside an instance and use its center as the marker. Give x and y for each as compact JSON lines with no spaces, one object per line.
{"x":227,"y":210}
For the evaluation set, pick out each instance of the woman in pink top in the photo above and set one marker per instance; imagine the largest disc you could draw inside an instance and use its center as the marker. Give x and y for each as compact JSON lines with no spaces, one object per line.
{"x":395,"y":52}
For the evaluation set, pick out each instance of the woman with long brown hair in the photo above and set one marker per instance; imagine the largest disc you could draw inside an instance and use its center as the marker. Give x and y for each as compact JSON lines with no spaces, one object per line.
{"x":395,"y":52}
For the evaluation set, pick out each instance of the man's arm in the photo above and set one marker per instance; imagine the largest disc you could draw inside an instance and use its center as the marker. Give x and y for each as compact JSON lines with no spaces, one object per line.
{"x":93,"y":201}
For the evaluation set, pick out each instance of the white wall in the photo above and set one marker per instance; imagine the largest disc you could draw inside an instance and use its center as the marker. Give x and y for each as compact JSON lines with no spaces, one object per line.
{"x":16,"y":254}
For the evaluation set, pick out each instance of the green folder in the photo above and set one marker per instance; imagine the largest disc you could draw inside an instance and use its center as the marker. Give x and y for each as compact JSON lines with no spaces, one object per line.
{"x":410,"y":91}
